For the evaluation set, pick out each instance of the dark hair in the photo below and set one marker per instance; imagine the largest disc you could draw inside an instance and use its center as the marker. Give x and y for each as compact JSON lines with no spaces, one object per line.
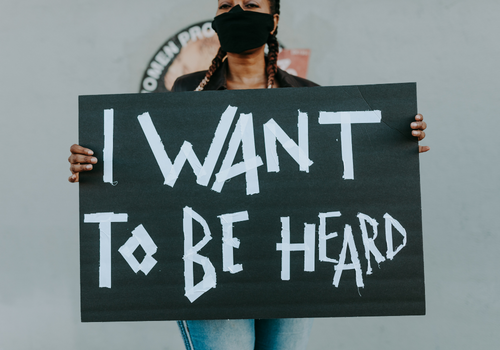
{"x":272,"y":56}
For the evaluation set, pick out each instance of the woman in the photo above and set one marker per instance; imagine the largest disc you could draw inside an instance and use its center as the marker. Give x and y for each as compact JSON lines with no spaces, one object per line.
{"x":244,"y":28}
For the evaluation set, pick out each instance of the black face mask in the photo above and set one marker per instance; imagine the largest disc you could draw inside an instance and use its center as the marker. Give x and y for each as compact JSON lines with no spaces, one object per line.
{"x":240,"y":30}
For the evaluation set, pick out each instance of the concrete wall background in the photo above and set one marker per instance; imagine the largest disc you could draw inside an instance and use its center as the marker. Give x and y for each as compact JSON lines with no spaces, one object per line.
{"x":54,"y":50}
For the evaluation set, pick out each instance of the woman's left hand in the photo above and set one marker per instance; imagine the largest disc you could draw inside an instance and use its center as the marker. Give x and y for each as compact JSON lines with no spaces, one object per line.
{"x":418,"y":127}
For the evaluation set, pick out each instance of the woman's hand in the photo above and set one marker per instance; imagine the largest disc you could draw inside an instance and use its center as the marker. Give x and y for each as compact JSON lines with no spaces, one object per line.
{"x":418,"y":127}
{"x":81,"y":160}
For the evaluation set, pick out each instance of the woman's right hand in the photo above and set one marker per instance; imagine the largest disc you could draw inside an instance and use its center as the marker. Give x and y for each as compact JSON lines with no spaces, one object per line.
{"x":80,"y":160}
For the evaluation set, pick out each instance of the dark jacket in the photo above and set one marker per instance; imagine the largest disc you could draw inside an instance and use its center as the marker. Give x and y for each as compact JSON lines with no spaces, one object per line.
{"x":190,"y":82}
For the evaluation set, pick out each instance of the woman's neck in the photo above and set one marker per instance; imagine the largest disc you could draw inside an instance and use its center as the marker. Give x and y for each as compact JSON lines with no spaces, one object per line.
{"x":247,"y":71}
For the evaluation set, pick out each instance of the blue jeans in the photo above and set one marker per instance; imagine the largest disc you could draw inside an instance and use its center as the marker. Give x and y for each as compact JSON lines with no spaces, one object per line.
{"x":274,"y":334}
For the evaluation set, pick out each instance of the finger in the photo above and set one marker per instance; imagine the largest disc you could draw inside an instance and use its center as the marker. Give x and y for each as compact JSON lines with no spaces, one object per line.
{"x":418,"y":134}
{"x":421,"y":136}
{"x":79,"y":158}
{"x":419,"y":117}
{"x":423,"y":149}
{"x":419,"y":125}
{"x":74,"y":178}
{"x":77,"y":149}
{"x":78,"y":168}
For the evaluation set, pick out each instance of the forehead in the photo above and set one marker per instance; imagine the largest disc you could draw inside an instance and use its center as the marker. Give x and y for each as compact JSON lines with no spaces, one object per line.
{"x":245,"y":2}
{"x":247,"y":5}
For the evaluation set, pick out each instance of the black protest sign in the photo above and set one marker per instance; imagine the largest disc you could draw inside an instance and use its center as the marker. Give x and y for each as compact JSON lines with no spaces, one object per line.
{"x":251,"y":204}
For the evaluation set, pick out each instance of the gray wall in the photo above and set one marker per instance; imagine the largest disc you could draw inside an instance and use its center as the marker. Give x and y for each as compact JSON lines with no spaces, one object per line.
{"x":54,"y":50}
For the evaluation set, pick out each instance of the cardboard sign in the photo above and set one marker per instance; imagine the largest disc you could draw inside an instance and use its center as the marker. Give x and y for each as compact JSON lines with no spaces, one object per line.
{"x":274,"y":203}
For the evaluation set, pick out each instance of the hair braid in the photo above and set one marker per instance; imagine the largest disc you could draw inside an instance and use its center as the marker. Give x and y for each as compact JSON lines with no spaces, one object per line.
{"x":272,"y":60}
{"x":216,"y":63}
{"x":274,"y":48}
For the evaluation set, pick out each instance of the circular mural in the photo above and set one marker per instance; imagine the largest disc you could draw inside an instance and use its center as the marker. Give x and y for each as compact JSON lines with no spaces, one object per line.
{"x":193,"y":48}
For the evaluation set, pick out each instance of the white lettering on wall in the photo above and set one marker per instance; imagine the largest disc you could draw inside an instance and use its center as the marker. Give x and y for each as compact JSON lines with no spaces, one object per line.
{"x":195,"y":33}
{"x":207,"y":30}
{"x":171,"y":50}
{"x":184,"y":38}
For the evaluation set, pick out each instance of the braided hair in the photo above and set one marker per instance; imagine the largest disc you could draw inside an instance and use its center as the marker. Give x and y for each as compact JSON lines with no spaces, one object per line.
{"x":216,"y":63}
{"x":272,"y":56}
